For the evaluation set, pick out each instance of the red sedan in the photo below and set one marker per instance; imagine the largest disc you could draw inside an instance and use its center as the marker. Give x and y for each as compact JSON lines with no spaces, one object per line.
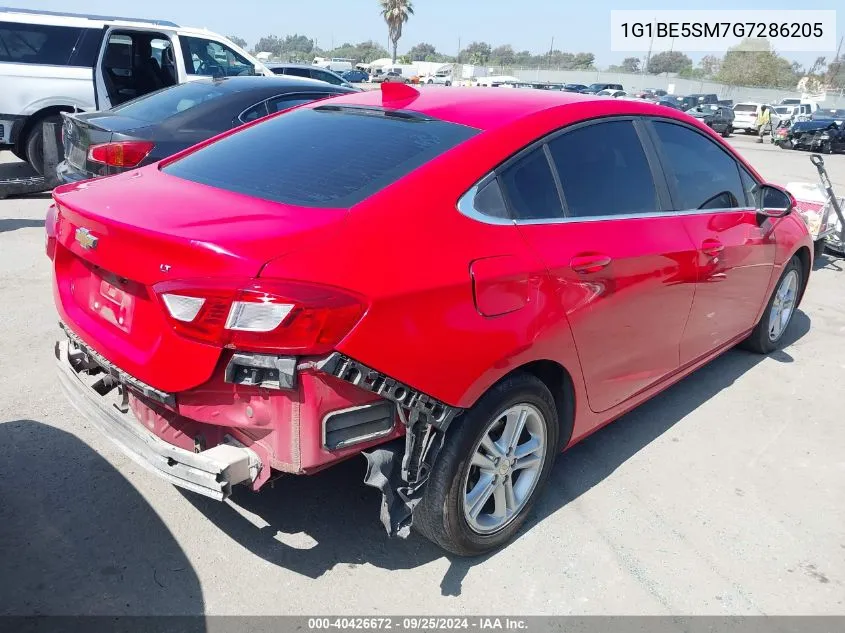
{"x":459,"y":284}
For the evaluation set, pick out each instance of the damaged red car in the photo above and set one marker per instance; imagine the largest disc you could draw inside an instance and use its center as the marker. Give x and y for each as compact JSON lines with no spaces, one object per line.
{"x":459,"y":284}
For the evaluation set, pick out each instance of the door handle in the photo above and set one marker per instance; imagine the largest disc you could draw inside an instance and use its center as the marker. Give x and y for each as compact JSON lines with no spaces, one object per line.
{"x":712,"y":247}
{"x":585,"y":264}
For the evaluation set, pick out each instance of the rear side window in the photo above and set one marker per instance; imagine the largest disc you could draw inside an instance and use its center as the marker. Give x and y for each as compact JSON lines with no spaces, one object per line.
{"x":531,"y":188}
{"x":277,"y":104}
{"x":604,"y":171}
{"x":160,"y":105}
{"x":322,"y":157}
{"x":327,"y":77}
{"x":297,"y":72}
{"x":38,"y":43}
{"x":703,"y":175}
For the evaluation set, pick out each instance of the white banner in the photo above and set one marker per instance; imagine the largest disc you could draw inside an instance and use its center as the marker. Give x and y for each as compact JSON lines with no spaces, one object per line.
{"x":715,"y":31}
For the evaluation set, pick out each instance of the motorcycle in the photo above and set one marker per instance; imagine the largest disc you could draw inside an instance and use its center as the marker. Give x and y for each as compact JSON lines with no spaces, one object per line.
{"x":782,"y":134}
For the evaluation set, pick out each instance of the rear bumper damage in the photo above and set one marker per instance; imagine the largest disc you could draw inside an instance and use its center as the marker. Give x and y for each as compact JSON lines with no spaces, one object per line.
{"x":401,"y":476}
{"x":114,"y":402}
{"x":211,"y":472}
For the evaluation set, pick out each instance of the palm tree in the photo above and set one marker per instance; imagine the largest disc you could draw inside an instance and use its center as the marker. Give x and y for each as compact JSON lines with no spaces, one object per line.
{"x":396,"y":13}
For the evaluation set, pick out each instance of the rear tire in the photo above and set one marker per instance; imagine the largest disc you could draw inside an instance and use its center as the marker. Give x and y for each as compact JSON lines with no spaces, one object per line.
{"x":767,"y":336}
{"x":444,"y":515}
{"x":34,"y":145}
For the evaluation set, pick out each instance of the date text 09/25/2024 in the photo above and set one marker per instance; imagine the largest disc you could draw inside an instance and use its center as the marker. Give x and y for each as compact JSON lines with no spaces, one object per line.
{"x":417,"y":623}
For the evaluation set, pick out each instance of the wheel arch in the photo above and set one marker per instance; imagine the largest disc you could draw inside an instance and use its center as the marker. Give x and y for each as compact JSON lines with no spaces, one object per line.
{"x":560,"y":383}
{"x":804,"y":256}
{"x":33,"y":119}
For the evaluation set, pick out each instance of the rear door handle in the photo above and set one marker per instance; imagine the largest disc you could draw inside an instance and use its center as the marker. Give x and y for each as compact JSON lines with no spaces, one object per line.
{"x":585,"y":264}
{"x":712,"y":247}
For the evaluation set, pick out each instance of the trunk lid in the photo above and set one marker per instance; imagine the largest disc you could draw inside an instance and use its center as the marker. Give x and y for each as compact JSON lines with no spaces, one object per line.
{"x":81,"y":131}
{"x":119,"y":236}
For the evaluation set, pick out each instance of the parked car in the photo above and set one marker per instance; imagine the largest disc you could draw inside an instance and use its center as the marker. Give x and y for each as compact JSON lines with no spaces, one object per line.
{"x":745,"y":116}
{"x":835,"y":114}
{"x":311,"y":72}
{"x":598,"y":87}
{"x":390,"y":77}
{"x":158,"y":125}
{"x":612,"y":93}
{"x":443,"y":79}
{"x":720,"y":118}
{"x":589,"y":255}
{"x":574,"y":88}
{"x":819,"y":135}
{"x":651,"y":93}
{"x":671,"y":101}
{"x":705,"y":97}
{"x":355,"y":76}
{"x":54,"y":62}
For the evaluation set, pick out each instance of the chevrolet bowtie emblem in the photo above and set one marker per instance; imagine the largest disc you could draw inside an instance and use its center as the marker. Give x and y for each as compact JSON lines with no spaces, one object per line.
{"x":86,"y":239}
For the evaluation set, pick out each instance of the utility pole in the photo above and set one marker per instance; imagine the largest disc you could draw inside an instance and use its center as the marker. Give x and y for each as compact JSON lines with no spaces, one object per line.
{"x":551,"y":48}
{"x":650,"y":45}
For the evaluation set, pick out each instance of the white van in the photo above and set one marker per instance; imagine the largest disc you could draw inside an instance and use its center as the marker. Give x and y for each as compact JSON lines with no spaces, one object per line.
{"x":54,"y":62}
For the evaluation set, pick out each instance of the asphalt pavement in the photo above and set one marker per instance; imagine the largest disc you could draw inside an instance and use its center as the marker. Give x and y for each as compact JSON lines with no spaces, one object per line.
{"x":723,"y":495}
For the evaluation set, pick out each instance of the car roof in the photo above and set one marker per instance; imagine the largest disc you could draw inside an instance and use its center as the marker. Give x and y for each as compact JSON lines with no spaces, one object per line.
{"x":60,"y":17}
{"x":486,"y":108}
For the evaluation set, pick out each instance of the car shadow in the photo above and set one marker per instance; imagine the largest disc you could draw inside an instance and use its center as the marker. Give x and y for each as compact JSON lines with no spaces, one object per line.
{"x":311,"y":524}
{"x":78,"y":539}
{"x":12,"y":170}
{"x":13,"y":224}
{"x":828,"y":261}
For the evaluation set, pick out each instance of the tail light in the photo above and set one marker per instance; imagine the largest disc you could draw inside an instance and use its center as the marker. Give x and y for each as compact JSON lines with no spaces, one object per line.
{"x":50,"y":222}
{"x":120,"y":154}
{"x":260,"y":315}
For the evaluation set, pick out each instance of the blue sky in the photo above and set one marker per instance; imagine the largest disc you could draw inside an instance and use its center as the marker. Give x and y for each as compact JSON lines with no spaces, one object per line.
{"x":575,"y":25}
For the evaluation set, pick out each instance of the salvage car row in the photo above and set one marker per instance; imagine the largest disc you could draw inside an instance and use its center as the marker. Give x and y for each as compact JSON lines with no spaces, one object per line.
{"x":286,"y":290}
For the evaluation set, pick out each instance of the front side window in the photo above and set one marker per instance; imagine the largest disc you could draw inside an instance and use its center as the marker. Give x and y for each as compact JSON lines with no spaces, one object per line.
{"x":531,"y":188}
{"x":37,"y":43}
{"x":207,"y":57}
{"x":604,"y":171}
{"x":702,"y":174}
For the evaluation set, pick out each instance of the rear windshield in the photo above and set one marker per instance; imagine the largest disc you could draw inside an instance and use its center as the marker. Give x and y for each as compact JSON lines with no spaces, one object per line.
{"x":745,"y":107}
{"x":168,"y":102}
{"x":322,"y":157}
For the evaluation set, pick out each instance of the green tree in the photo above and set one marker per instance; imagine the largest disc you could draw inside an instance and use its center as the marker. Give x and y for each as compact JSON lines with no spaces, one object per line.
{"x":709,"y":65}
{"x":477,"y":53}
{"x":756,"y":68}
{"x":503,"y":56}
{"x":238,"y":40}
{"x":422,"y":51}
{"x":668,"y":62}
{"x":396,"y":13}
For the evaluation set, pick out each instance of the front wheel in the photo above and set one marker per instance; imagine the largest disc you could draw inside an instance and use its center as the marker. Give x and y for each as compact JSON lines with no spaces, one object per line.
{"x":767,"y":336}
{"x":495,"y":461}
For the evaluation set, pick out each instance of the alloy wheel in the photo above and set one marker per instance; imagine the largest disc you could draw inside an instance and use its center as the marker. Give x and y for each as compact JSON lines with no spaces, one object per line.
{"x":506,"y":465}
{"x":783,"y":305}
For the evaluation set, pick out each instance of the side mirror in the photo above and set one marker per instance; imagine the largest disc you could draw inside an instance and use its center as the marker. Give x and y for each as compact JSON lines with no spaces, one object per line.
{"x":774,"y":202}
